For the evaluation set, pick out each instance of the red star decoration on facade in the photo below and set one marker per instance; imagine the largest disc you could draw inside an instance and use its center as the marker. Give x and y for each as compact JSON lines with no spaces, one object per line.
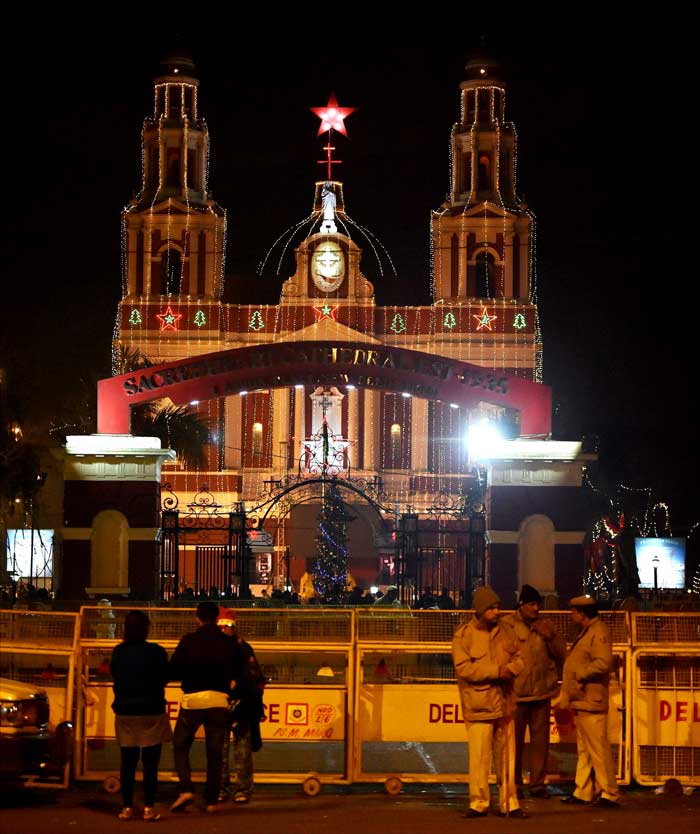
{"x":484,"y":320}
{"x":168,"y":320}
{"x":332,"y":116}
{"x":326,"y":312}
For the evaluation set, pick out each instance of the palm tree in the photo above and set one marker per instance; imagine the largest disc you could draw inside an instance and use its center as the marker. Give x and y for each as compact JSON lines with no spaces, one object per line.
{"x":175,"y":425}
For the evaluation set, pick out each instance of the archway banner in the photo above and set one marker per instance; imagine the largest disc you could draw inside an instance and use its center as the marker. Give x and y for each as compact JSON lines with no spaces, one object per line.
{"x":282,"y":364}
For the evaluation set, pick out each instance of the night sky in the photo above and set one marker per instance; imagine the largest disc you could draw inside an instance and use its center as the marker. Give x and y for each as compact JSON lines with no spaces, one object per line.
{"x":613,"y":352}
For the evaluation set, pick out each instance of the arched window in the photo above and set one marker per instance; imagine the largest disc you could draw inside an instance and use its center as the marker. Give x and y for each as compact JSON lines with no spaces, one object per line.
{"x":485,"y":275}
{"x":257,"y":441}
{"x":170,"y":271}
{"x":395,"y":446}
{"x":484,"y":172}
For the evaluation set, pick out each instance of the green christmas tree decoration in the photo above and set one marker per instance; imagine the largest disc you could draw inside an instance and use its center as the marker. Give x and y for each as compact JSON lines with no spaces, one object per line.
{"x":519,"y":321}
{"x":135,"y":317}
{"x":398,"y":325}
{"x":199,"y":318}
{"x":449,"y":321}
{"x":331,"y":568}
{"x":256,"y":321}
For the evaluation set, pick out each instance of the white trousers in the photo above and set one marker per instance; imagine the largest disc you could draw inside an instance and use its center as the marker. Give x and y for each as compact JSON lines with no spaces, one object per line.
{"x":595,"y":771}
{"x":487,"y":738}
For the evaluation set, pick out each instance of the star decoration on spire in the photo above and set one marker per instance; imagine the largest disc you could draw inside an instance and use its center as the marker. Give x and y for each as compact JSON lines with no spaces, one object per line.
{"x":168,"y":320}
{"x":484,"y":320}
{"x":332,"y":116}
{"x":326,"y":312}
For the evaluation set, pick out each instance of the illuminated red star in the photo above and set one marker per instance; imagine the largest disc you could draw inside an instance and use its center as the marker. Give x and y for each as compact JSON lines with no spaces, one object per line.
{"x":484,"y":320}
{"x":332,"y":116}
{"x":168,"y":320}
{"x":326,"y":312}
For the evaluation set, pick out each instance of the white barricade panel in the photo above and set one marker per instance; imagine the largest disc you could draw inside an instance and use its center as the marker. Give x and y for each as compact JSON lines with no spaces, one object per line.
{"x":666,"y":716}
{"x":303,"y":729}
{"x":410,"y":720}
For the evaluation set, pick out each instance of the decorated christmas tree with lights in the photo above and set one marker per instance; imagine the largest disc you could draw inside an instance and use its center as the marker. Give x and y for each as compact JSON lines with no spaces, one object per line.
{"x":331,"y":569}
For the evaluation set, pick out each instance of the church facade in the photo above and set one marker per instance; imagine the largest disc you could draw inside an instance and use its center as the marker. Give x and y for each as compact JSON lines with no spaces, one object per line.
{"x":413,"y":450}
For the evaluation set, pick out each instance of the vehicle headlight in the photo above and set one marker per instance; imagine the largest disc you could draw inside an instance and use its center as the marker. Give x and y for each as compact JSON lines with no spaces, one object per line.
{"x":31,"y":712}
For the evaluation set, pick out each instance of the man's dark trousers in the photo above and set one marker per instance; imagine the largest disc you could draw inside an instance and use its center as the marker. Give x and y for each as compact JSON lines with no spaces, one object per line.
{"x":216,"y":721}
{"x":534,"y":714}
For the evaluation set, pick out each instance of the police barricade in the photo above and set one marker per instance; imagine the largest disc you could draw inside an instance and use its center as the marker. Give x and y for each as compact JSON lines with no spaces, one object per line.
{"x":666,"y":685}
{"x":306,"y":657}
{"x":407,"y":706}
{"x":38,"y":649}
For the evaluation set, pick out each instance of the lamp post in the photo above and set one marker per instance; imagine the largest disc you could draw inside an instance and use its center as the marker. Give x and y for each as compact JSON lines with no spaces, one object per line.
{"x":655,"y":563}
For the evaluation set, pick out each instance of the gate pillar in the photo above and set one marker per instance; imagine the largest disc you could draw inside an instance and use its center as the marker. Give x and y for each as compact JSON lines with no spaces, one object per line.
{"x":111,"y":516}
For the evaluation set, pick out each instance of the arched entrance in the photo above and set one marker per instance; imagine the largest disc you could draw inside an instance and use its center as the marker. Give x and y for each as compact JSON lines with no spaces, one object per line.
{"x":211,"y":545}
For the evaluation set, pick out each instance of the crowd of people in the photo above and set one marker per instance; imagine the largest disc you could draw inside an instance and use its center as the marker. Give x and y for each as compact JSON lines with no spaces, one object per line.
{"x":222,"y":691}
{"x":508,"y":671}
{"x":511,"y":669}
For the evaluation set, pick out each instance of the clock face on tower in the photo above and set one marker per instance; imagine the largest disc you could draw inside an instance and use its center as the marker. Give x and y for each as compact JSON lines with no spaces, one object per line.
{"x":328,"y":266}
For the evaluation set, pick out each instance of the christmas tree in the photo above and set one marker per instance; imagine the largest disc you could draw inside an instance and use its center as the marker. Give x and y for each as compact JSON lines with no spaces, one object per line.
{"x":331,"y":569}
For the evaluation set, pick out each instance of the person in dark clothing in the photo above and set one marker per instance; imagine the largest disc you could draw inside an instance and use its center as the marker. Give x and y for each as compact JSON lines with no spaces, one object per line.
{"x":246,"y":714}
{"x":209,"y":665}
{"x":139,"y":671}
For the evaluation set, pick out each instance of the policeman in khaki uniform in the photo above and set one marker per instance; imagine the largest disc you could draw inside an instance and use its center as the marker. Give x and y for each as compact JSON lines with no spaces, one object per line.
{"x":543,"y":651}
{"x":585,"y":689}
{"x":486,"y":661}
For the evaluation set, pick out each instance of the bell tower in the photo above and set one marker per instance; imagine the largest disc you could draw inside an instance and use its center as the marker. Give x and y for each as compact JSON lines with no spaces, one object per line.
{"x":173,"y":232}
{"x":483,"y":235}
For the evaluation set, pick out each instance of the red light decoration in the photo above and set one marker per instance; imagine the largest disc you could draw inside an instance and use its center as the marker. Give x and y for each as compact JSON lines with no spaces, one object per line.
{"x":169,"y":320}
{"x":484,"y":320}
{"x":332,"y":116}
{"x":326,"y":312}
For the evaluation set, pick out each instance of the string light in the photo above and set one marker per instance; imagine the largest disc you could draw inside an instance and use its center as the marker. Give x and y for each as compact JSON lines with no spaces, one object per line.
{"x":199,"y":318}
{"x":135,"y":317}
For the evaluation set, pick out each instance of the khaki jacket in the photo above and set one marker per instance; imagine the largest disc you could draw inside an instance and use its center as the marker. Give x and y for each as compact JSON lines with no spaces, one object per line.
{"x":478,"y":654}
{"x":587,"y":670}
{"x":542,"y":658}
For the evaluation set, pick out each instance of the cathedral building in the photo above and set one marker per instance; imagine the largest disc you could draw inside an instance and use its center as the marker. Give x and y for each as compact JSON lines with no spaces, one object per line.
{"x":407,"y":457}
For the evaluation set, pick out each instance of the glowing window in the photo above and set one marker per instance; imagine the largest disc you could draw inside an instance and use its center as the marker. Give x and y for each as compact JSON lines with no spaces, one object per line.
{"x":257,"y":438}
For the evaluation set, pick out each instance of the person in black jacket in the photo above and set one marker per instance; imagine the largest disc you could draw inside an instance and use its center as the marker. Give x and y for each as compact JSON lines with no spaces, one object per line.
{"x":209,"y":665}
{"x":139,"y":671}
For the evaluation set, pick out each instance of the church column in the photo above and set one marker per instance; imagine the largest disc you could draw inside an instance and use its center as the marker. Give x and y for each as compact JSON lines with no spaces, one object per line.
{"x":524,"y":267}
{"x":419,"y":435}
{"x":233,"y":455}
{"x":280,"y":427}
{"x":463,"y":269}
{"x":299,"y":423}
{"x":354,"y":428}
{"x":372,"y":436}
{"x":508,"y":263}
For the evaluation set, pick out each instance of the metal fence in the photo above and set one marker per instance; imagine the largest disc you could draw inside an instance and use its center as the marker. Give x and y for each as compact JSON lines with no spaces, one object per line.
{"x":366,"y":694}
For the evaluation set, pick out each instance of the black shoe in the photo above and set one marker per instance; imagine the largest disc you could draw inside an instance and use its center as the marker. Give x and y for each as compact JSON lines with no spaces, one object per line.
{"x":539,"y":793}
{"x":573,"y":800}
{"x":472,"y":813}
{"x":516,"y":813}
{"x":602,"y":802}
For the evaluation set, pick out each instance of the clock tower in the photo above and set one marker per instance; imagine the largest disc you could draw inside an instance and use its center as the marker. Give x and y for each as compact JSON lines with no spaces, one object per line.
{"x":328,"y":260}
